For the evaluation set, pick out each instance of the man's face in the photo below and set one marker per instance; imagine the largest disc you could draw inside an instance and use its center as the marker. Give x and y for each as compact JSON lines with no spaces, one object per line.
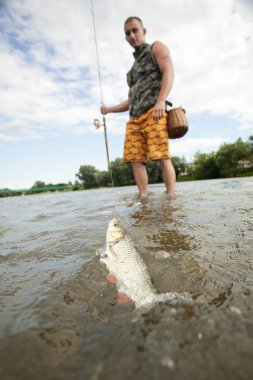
{"x":135,"y":33}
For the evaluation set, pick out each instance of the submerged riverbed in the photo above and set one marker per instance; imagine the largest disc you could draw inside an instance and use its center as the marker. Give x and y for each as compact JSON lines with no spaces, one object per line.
{"x":60,"y":318}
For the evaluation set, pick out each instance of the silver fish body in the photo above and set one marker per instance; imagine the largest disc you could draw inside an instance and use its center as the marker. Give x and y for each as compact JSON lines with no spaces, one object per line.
{"x":125,"y":263}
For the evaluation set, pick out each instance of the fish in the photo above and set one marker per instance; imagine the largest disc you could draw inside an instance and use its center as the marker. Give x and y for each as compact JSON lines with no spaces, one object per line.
{"x":132,"y":277}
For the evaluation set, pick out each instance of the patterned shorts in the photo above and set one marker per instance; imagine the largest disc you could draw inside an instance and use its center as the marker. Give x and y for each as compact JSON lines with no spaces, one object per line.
{"x":146,"y":139}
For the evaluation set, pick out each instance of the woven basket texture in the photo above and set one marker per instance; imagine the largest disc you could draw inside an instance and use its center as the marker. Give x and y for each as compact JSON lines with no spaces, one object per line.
{"x":177,"y":123}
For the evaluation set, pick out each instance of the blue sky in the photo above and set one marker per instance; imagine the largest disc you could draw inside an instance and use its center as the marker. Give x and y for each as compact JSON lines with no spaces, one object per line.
{"x":49,"y":88}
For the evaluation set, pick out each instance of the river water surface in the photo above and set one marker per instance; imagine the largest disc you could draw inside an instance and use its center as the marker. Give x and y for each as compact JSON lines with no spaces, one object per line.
{"x":60,"y":317}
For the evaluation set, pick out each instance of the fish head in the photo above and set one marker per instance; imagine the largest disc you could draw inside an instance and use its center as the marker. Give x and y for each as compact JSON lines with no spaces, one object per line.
{"x":115,"y":231}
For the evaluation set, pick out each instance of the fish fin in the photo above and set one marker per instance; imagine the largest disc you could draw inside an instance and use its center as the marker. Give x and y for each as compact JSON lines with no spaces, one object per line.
{"x":104,"y":260}
{"x":123,"y":299}
{"x":111,"y":250}
{"x":111,"y":278}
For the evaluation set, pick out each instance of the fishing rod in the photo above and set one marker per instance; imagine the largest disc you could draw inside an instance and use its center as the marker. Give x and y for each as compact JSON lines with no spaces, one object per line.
{"x":96,"y":122}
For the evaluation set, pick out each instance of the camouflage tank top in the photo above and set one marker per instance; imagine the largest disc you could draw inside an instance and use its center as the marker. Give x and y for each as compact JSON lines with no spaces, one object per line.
{"x":144,"y":81}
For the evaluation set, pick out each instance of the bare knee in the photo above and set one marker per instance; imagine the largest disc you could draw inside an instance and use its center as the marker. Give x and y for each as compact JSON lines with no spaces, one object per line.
{"x":165,"y":162}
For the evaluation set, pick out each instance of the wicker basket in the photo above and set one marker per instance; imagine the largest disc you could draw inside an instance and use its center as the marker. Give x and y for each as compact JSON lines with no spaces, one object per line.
{"x":177,"y":123}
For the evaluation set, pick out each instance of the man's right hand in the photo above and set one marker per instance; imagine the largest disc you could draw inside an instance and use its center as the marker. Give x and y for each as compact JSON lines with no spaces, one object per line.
{"x":121,"y":107}
{"x":103,"y":109}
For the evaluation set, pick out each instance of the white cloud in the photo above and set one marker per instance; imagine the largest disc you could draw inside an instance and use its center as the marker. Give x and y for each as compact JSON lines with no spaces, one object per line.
{"x":214,"y":63}
{"x":246,"y":126}
{"x":187,"y":147}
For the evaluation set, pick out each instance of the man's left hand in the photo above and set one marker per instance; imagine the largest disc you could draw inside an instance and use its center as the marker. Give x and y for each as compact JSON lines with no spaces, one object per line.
{"x":159,"y":109}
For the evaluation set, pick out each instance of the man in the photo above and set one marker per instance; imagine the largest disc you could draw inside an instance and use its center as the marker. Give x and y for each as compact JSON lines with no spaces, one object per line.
{"x":150,"y":81}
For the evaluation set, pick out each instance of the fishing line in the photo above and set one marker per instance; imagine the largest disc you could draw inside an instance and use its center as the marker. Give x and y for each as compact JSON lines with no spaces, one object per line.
{"x":96,"y":121}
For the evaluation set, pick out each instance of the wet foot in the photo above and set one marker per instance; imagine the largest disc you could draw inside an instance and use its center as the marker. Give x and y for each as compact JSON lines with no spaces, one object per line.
{"x":142,"y":195}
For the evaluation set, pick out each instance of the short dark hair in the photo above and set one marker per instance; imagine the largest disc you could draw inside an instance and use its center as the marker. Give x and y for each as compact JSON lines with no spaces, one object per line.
{"x":132,"y":18}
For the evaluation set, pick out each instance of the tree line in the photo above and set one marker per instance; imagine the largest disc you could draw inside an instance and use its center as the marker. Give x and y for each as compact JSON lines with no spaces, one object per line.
{"x":231,"y":160}
{"x":121,"y":173}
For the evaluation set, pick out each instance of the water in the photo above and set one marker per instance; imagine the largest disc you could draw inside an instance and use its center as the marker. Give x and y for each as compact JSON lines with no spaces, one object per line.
{"x":60,"y":318}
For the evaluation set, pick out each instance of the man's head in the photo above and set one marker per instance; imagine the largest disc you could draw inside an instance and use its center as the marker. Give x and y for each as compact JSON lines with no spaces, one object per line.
{"x":134,"y":31}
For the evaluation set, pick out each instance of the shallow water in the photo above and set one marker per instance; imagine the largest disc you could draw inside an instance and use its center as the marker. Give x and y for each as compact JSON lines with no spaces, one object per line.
{"x":60,"y":318}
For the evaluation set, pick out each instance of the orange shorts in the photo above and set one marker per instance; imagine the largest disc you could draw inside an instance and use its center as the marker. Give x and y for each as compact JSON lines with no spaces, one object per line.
{"x":146,"y":138}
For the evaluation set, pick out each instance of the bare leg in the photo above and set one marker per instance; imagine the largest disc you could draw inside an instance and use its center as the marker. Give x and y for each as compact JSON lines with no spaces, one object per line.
{"x":169,"y":175}
{"x":141,"y":177}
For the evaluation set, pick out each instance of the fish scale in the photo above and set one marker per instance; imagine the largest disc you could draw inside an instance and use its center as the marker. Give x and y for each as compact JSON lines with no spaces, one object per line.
{"x":125,"y":263}
{"x":131,"y":271}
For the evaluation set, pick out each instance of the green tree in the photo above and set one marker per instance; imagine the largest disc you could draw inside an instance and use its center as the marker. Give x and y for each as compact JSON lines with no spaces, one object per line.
{"x":250,"y":148}
{"x":103,"y":178}
{"x":77,"y":185}
{"x":87,"y":175}
{"x":179,"y":164}
{"x":121,"y":173}
{"x":154,"y":171}
{"x":39,"y":184}
{"x":229,"y":155}
{"x":205,"y":166}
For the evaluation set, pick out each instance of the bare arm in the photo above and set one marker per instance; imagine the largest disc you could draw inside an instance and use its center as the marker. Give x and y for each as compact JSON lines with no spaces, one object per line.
{"x":121,"y":107}
{"x":163,"y":59}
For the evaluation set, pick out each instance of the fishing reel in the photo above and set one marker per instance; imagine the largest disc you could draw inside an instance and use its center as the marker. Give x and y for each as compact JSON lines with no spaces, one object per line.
{"x":97,"y":123}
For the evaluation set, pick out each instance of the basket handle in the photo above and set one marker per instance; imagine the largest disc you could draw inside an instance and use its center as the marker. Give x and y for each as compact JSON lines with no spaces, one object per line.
{"x":168,"y":103}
